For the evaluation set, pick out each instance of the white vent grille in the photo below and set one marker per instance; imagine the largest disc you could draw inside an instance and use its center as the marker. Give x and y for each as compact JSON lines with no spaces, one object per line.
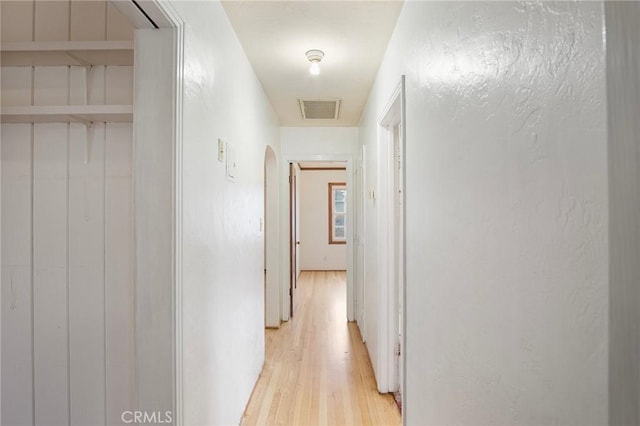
{"x":319,"y":109}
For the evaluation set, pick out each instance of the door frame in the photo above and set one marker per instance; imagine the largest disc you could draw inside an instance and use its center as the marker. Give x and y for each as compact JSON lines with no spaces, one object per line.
{"x":285,"y":227}
{"x":392,"y":116}
{"x":293,"y":236}
{"x":360,"y":237}
{"x":150,"y":15}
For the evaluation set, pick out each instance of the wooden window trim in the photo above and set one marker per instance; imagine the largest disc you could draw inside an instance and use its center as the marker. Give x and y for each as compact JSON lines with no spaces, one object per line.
{"x":331,"y":186}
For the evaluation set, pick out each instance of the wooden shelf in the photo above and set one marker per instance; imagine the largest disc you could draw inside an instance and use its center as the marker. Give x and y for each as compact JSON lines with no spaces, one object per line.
{"x":60,"y":53}
{"x":67,"y":113}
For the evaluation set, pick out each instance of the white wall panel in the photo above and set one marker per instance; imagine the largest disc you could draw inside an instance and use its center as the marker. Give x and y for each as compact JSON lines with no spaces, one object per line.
{"x":17,"y":22}
{"x":119,"y":271}
{"x":63,"y":85}
{"x":77,"y":85}
{"x":118,"y":27}
{"x":119,"y":84}
{"x":86,"y":274}
{"x":153,"y":217}
{"x":67,"y":275}
{"x":63,"y":20}
{"x":16,"y":176}
{"x":96,"y":86}
{"x":51,"y":86}
{"x":83,"y":281}
{"x":51,"y":339}
{"x":17,"y":385}
{"x":623,"y":99}
{"x":52,"y":20}
{"x":119,"y":155}
{"x":88,"y":29}
{"x":16,"y":86}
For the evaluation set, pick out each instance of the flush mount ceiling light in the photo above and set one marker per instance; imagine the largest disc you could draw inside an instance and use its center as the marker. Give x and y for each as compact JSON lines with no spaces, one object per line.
{"x":315,"y":56}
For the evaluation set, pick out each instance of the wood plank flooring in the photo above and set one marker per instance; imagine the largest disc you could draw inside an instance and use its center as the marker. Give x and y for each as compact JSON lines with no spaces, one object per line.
{"x":317,"y":370}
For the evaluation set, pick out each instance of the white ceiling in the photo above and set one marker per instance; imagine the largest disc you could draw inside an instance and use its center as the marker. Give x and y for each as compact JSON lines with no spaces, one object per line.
{"x":353,"y":35}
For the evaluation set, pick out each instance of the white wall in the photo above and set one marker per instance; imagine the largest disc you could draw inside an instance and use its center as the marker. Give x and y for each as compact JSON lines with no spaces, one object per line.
{"x":67,"y":232}
{"x":223,"y":248}
{"x":272,"y":240}
{"x":67,"y":266}
{"x":304,"y":142}
{"x":506,"y":213}
{"x":623,"y":86}
{"x":316,"y":252}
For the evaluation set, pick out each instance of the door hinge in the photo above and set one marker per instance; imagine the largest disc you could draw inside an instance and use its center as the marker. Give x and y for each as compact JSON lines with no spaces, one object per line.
{"x":398,"y":349}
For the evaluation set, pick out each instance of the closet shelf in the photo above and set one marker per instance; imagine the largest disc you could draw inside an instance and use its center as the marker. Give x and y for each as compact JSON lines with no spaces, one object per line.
{"x":67,"y":113}
{"x":60,"y":53}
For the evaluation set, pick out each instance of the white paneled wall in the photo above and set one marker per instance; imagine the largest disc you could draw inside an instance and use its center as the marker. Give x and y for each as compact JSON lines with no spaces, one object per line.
{"x":57,"y":20}
{"x":67,"y":229}
{"x":67,"y":85}
{"x":67,"y":237}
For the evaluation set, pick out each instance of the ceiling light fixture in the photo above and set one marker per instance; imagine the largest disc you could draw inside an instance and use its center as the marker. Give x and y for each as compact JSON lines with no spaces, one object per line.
{"x":315,"y":56}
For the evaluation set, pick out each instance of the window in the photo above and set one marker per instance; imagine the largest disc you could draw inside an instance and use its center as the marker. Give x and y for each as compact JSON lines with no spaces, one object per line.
{"x":337,"y":213}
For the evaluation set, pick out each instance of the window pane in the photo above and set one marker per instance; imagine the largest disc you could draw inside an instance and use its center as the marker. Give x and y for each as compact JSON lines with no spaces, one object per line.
{"x":337,"y":213}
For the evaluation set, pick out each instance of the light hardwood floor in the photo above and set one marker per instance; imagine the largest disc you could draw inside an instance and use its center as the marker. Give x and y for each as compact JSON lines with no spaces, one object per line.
{"x":317,"y":370}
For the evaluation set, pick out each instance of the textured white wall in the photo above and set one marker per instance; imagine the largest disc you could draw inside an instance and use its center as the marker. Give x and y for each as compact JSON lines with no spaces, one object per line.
{"x":506,"y":214}
{"x":309,"y":141}
{"x":623,"y":87}
{"x":316,"y":252}
{"x":223,"y":248}
{"x":272,"y":237}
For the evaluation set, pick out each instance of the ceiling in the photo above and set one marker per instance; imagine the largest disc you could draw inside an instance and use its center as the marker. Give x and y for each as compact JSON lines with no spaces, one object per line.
{"x":352,"y":34}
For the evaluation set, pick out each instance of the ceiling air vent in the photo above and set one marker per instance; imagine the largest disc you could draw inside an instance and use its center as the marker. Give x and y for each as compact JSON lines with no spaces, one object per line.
{"x":319,"y":109}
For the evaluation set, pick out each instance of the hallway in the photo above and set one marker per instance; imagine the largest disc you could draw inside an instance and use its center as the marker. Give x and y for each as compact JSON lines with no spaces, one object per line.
{"x":317,"y":370}
{"x":485,"y":164}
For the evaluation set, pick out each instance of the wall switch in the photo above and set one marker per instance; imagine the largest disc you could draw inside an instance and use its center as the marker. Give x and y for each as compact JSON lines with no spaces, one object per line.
{"x":220,"y":150}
